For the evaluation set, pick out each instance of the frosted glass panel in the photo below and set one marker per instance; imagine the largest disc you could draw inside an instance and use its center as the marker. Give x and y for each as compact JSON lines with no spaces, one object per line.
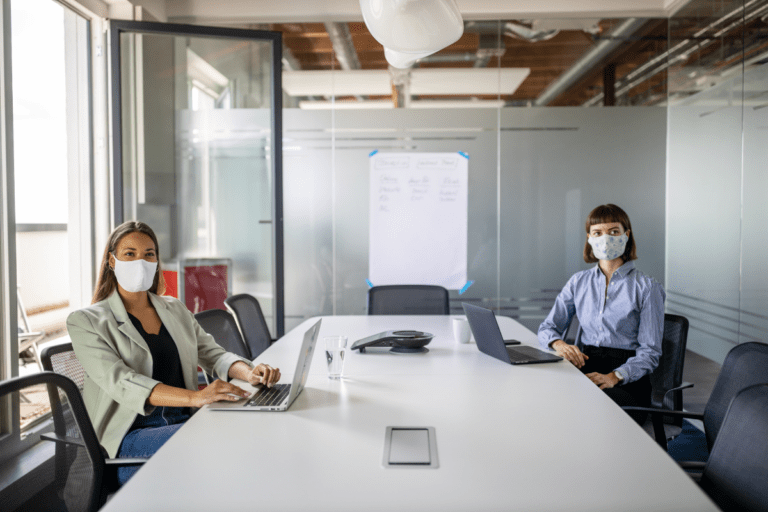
{"x":716,"y":177}
{"x":197,"y":117}
{"x":703,"y":211}
{"x":557,"y":165}
{"x":548,"y":182}
{"x":225,"y":194}
{"x":754,"y":279}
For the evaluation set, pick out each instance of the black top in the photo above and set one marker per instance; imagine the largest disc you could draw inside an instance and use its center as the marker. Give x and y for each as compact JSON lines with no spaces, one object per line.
{"x":166,"y":367}
{"x":166,"y":364}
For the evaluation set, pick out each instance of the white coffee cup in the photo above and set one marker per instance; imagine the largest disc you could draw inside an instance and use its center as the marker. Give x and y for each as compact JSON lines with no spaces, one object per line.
{"x":461,"y":331}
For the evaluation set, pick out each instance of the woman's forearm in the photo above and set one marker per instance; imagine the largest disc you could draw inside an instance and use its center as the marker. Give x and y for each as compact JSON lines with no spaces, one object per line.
{"x":239,"y":370}
{"x":168,"y":396}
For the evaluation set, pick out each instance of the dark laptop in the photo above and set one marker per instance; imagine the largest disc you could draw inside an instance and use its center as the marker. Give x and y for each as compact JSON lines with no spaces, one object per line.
{"x":487,"y":334}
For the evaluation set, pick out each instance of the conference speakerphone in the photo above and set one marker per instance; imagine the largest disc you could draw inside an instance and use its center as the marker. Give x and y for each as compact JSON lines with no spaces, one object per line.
{"x":404,"y":342}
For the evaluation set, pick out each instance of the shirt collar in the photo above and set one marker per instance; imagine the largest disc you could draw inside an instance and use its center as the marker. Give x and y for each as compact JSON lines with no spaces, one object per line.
{"x":622,"y":271}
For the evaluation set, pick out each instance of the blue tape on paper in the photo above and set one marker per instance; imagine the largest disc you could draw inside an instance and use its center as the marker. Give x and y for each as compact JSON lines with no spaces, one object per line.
{"x":370,"y":284}
{"x":466,"y":287}
{"x":376,"y":151}
{"x":465,"y":155}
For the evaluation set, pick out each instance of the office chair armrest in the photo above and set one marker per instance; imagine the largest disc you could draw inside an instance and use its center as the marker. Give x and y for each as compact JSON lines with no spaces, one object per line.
{"x":126,"y":461}
{"x":62,"y":439}
{"x":692,"y":465}
{"x":693,"y":468}
{"x":657,"y":418}
{"x":684,"y":385}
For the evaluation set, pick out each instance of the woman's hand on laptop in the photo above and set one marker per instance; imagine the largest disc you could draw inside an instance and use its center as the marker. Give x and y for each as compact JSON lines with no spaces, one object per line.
{"x":217,"y":391}
{"x":263,"y":374}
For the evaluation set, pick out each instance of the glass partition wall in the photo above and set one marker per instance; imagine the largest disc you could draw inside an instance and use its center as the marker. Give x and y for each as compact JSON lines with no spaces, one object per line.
{"x":717,"y":179}
{"x":199,"y":109}
{"x":534,"y":171}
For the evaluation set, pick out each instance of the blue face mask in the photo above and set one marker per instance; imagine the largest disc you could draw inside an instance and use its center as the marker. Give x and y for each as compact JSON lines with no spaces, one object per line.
{"x":608,"y":247}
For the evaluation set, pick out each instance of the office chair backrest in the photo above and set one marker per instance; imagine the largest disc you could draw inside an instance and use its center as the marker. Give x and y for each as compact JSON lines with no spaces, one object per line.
{"x":736,"y":473}
{"x":247,"y":312}
{"x":573,"y":331}
{"x":222,"y":326}
{"x":61,"y":359}
{"x":78,"y":462}
{"x":669,"y":373}
{"x":408,"y":300}
{"x":745,"y":365}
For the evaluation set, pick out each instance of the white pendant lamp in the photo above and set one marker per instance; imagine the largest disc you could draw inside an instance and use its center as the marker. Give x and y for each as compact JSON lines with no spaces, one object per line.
{"x":411,"y":29}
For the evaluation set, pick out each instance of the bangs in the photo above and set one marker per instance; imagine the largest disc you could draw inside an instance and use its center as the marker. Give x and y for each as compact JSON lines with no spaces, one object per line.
{"x":606,"y":214}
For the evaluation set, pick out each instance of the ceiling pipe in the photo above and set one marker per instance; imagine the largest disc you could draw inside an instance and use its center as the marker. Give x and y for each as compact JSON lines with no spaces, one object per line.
{"x":290,"y":63}
{"x":449,"y":57}
{"x":586,"y":63}
{"x":341,"y":40}
{"x":528,"y":34}
{"x":682,"y":50}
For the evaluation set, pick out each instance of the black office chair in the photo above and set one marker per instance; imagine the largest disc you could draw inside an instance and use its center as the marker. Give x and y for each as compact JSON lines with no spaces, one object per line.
{"x":247,"y":312}
{"x":736,"y":473}
{"x":222,"y":326}
{"x":75,"y":476}
{"x":408,"y":300}
{"x":61,"y":359}
{"x":573,"y":331}
{"x":745,"y":365}
{"x":667,"y":379}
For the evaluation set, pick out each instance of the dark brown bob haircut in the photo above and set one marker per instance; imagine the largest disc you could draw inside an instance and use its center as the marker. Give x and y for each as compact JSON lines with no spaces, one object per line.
{"x":605,"y":214}
{"x":107,"y":282}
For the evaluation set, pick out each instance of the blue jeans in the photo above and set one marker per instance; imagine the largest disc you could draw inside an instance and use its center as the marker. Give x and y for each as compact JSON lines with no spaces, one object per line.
{"x":147,"y":435}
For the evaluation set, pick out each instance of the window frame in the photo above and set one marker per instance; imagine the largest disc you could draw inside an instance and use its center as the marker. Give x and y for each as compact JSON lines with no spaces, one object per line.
{"x":82,"y":30}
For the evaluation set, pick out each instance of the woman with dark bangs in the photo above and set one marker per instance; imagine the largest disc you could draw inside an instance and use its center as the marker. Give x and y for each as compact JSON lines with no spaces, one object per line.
{"x":620,"y":310}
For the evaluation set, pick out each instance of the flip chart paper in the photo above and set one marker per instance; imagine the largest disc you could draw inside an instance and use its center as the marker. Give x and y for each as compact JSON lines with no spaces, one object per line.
{"x":418,"y":219}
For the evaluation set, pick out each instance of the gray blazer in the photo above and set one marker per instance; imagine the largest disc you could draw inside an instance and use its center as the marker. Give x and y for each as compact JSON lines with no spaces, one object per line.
{"x":118,"y":364}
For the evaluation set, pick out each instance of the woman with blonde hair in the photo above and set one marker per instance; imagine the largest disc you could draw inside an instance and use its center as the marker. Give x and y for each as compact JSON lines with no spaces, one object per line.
{"x":140,"y":351}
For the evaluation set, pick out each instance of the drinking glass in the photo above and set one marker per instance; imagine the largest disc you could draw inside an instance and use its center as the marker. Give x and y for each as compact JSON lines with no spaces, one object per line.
{"x":335,"y":346}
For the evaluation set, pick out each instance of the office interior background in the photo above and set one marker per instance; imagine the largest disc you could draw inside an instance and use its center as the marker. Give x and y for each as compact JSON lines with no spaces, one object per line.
{"x":656,"y":106}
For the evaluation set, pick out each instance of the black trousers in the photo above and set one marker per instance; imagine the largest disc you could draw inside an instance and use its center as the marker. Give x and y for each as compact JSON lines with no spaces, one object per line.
{"x":606,"y":360}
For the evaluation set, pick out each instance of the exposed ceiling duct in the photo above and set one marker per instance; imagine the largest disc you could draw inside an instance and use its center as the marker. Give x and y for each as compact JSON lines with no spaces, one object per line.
{"x":341,"y":40}
{"x":682,"y":50}
{"x":343,"y":47}
{"x":528,"y":34}
{"x":590,"y":59}
{"x":290,"y":63}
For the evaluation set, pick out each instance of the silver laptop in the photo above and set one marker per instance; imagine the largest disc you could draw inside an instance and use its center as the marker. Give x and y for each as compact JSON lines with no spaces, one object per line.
{"x":280,"y":396}
{"x":488,"y":337}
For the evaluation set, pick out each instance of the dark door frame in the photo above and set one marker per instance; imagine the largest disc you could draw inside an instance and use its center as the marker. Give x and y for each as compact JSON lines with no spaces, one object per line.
{"x":116,"y":28}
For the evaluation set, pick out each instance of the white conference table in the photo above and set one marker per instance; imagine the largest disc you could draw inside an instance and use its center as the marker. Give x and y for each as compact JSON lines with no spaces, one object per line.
{"x":529,"y":437}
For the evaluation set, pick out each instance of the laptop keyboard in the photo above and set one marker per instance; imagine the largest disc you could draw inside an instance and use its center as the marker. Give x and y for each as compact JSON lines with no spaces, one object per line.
{"x":270,"y":396}
{"x":516,"y":356}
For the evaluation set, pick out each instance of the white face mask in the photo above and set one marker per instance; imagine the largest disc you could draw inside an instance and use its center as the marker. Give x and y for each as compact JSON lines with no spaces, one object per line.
{"x":608,"y":247}
{"x":136,"y":275}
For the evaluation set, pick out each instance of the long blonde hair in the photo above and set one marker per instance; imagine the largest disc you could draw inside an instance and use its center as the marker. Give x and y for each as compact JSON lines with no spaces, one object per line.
{"x":107,"y":282}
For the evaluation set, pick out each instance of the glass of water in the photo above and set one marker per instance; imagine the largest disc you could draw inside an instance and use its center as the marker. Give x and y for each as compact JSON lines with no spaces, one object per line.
{"x":335,"y":346}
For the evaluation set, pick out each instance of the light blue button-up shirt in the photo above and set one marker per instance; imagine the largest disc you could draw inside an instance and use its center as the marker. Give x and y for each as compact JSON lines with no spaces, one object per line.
{"x":631,"y":317}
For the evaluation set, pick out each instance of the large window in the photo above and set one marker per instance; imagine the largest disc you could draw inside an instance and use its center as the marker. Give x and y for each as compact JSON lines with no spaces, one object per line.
{"x":51,"y":133}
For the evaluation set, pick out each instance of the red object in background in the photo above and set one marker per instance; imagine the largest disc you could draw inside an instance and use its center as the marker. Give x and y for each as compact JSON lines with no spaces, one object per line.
{"x":171,"y":283}
{"x":205,"y":287}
